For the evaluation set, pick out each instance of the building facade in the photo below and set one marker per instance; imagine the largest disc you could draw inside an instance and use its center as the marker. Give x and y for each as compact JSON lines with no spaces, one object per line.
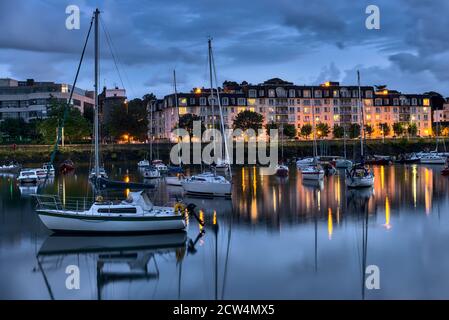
{"x":283,"y":102}
{"x":108,"y":99}
{"x":30,"y":99}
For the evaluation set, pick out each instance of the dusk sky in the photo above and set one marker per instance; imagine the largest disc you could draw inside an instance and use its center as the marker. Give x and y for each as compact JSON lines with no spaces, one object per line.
{"x":300,"y":41}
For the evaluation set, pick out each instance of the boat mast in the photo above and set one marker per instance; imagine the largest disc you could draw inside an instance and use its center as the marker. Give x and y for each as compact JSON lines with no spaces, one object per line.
{"x":151,"y":129}
{"x":362,"y":127}
{"x":96,"y":122}
{"x":220,"y":109}
{"x":177,"y":110}
{"x":315,"y":150}
{"x":212,"y":102}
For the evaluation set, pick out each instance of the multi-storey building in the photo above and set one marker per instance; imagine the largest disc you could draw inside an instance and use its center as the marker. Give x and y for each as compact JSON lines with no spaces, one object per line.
{"x":281,"y":102}
{"x":109,"y":98}
{"x":30,"y":99}
{"x":441,"y":117}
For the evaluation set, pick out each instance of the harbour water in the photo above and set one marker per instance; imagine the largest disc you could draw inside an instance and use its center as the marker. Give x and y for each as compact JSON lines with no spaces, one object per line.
{"x":278,"y":238}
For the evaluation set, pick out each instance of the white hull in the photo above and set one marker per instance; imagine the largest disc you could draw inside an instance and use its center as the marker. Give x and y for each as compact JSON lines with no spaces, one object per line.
{"x":207,"y":188}
{"x":173,"y":181}
{"x":433,"y":161}
{"x":343,"y":164}
{"x":357,"y":182}
{"x":84,"y":223}
{"x":318,"y":175}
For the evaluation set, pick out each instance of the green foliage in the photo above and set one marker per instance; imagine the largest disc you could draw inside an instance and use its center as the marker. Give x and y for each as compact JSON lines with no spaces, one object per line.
{"x":385,"y":128}
{"x":354,"y":130}
{"x":369,"y":130}
{"x":412,"y":129}
{"x":128,"y":119}
{"x":398,"y":128}
{"x":322,"y":130}
{"x":248,"y":120}
{"x":17,"y":130}
{"x":289,"y":130}
{"x":338,"y":131}
{"x":306,"y":130}
{"x":186,"y":123}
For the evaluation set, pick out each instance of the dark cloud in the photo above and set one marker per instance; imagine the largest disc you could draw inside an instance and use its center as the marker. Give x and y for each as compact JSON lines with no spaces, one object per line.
{"x":296,"y":39}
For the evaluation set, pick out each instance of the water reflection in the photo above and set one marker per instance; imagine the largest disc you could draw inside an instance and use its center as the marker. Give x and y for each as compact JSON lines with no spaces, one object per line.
{"x":276,"y":238}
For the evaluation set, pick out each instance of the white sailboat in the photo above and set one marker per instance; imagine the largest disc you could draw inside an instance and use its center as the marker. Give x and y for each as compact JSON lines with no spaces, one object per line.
{"x":135,"y":214}
{"x":360,"y":176}
{"x":210,"y":184}
{"x":314,"y":171}
{"x":343,"y":163}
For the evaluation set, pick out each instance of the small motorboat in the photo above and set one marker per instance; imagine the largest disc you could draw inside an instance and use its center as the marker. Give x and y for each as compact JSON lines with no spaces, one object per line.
{"x":379,"y":160}
{"x":66,"y":166}
{"x":12,"y":167}
{"x":28,"y":176}
{"x":175,"y":180}
{"x":135,"y":214}
{"x":306,"y":162}
{"x":359,"y":176}
{"x":281,"y":170}
{"x":151,"y":172}
{"x":160,"y":166}
{"x":343,"y":163}
{"x":312,"y":172}
{"x":407,"y":158}
{"x":46,"y":170}
{"x":101,"y":173}
{"x":432,"y":158}
{"x":143,"y":163}
{"x":207,"y":184}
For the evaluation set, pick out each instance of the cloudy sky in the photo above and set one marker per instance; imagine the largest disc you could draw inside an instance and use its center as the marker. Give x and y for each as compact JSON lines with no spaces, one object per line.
{"x":303,"y":41}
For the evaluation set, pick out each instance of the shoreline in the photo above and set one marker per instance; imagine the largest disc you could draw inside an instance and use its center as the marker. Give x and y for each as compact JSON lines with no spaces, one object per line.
{"x":136,"y":152}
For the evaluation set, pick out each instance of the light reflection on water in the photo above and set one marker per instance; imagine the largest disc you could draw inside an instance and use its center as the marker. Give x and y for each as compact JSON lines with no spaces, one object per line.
{"x":277,"y":238}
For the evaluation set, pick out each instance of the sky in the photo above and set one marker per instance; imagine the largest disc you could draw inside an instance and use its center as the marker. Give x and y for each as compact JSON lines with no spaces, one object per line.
{"x":305,"y":42}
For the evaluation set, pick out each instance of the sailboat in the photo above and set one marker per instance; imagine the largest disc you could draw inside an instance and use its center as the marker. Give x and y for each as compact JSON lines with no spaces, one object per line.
{"x":433,"y":157}
{"x":281,"y":168}
{"x":206,"y":183}
{"x":343,"y":163}
{"x":313,"y":171}
{"x":360,"y":176}
{"x":135,"y":214}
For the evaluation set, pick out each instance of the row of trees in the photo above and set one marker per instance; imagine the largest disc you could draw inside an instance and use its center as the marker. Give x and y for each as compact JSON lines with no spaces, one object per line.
{"x":253,"y":120}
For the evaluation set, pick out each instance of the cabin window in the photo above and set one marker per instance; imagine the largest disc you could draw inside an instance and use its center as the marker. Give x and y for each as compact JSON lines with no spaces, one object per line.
{"x":118,"y":210}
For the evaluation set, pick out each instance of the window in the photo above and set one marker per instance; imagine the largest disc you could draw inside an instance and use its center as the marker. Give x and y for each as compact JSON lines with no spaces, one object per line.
{"x":241,"y":101}
{"x":261,"y":101}
{"x":271,"y":93}
{"x":252,"y":93}
{"x":192,"y":101}
{"x":271,"y":102}
{"x":317,"y":102}
{"x":318,"y":94}
{"x":306,"y":93}
{"x":378,"y":102}
{"x":225,"y":101}
{"x":336,"y":93}
{"x":368,"y":94}
{"x":202,"y":101}
{"x":414,"y":101}
{"x":355,"y":93}
{"x":291,"y":93}
{"x":281,"y":93}
{"x":306,"y":102}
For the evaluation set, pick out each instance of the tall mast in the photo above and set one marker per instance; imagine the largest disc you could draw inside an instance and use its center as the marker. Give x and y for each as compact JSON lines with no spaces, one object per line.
{"x":362,"y":127}
{"x":212,"y":102}
{"x":151,"y":129}
{"x":220,"y":109}
{"x":177,"y":110}
{"x":315,"y":151}
{"x":96,"y":122}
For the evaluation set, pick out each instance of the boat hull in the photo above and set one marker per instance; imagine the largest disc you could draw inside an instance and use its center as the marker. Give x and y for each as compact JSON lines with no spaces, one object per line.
{"x":313,"y":175}
{"x":356,"y":182}
{"x":79,"y":223}
{"x":206,"y":188}
{"x":433,"y":161}
{"x":173,"y":181}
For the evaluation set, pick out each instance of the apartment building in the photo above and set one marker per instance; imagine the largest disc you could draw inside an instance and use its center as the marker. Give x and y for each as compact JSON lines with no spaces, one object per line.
{"x":281,"y":101}
{"x":441,"y":117}
{"x":30,"y":99}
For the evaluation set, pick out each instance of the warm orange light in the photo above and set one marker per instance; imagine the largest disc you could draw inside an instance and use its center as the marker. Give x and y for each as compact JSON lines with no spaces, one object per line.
{"x":426,"y":102}
{"x":327,"y":84}
{"x":197,"y":90}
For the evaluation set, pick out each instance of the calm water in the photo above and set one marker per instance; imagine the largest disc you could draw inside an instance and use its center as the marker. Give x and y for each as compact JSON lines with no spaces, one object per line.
{"x":276,"y":239}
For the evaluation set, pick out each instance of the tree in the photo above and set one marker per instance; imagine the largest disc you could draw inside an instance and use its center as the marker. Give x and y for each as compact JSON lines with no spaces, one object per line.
{"x":76,"y":127}
{"x":412,"y":129}
{"x":322,"y":130}
{"x":398,"y":128}
{"x":338,"y":131}
{"x":89,"y":113}
{"x":385,"y":128}
{"x":271,"y":125}
{"x":147,"y":98}
{"x":354,"y":130}
{"x":306,"y":130}
{"x":248,"y":120}
{"x":186,"y":123}
{"x":129,"y":120}
{"x":369,"y":130}
{"x":289,"y":130}
{"x":18,"y":130}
